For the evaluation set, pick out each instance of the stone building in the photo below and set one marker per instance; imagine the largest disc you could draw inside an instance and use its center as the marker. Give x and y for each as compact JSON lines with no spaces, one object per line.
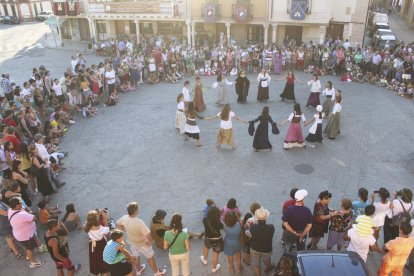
{"x":256,"y":21}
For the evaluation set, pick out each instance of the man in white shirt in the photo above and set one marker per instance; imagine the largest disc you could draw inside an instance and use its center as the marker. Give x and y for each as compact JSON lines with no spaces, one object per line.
{"x":73,"y":63}
{"x":110,"y":78}
{"x":25,"y":93}
{"x":139,"y":238}
{"x":57,"y":87}
{"x":360,"y":244}
{"x":44,"y":154}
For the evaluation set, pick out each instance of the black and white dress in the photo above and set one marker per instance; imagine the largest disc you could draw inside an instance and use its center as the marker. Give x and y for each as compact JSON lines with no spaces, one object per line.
{"x":315,"y":132}
{"x":263,"y":92}
{"x":191,"y":128}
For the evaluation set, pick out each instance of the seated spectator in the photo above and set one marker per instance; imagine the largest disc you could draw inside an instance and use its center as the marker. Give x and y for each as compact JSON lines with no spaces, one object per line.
{"x":116,"y":256}
{"x":158,"y":228}
{"x":71,"y":219}
{"x":45,"y":213}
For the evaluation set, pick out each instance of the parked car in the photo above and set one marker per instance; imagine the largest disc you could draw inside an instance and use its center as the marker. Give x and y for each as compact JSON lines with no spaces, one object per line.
{"x":390,"y":40}
{"x":10,"y":20}
{"x":380,"y":33}
{"x":379,"y":26}
{"x":330,"y":262}
{"x":379,"y":18}
{"x":43,"y":15}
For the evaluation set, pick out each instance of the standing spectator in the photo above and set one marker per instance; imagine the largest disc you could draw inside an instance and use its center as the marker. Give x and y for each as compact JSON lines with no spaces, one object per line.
{"x":247,"y":221}
{"x":381,"y":209}
{"x":97,"y":241}
{"x":158,"y":228}
{"x":139,"y":238}
{"x":213,"y":238}
{"x":7,"y":87}
{"x":407,"y":68}
{"x":232,"y":246}
{"x":339,"y":224}
{"x":177,"y":242}
{"x":59,"y":251}
{"x":291,"y":201}
{"x":398,"y":251}
{"x":39,"y":171}
{"x":24,"y":230}
{"x":230,"y":207}
{"x":6,"y":229}
{"x":261,"y":242}
{"x":358,"y":206}
{"x":321,"y":216}
{"x":297,"y":221}
{"x":110,"y":78}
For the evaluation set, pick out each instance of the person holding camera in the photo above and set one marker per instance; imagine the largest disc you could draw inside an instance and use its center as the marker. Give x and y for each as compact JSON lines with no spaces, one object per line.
{"x":381,"y":209}
{"x":401,"y":206}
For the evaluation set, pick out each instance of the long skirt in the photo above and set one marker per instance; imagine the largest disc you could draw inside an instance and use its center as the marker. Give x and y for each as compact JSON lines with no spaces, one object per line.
{"x":289,"y":92}
{"x":222,"y":97}
{"x":294,"y":137}
{"x":332,"y":127}
{"x":96,"y":262}
{"x":43,"y":183}
{"x":327,"y":106}
{"x":192,"y":131}
{"x":261,"y":137}
{"x":263,"y":94}
{"x":199,"y":104}
{"x":313,"y":99}
{"x":180,"y":121}
{"x":317,"y":137}
{"x":225,"y":136}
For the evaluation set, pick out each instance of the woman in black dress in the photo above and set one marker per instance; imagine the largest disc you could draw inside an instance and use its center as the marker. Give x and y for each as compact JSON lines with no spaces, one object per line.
{"x":242,"y":87}
{"x":43,"y":184}
{"x":261,"y":136}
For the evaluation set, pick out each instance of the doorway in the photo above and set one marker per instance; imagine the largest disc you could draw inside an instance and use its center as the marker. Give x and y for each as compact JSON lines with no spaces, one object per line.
{"x":335,"y":30}
{"x":295,"y":32}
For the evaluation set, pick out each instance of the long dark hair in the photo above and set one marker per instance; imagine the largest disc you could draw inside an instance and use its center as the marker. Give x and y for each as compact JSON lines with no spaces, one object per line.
{"x":70,"y":208}
{"x":296,"y":109}
{"x":24,"y":150}
{"x":213,"y":217}
{"x":191,"y":113}
{"x":265,"y":112}
{"x":176,"y":223}
{"x":15,"y":165}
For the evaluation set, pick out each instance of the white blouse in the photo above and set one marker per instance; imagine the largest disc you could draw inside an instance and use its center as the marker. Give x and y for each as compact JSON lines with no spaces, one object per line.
{"x":186,"y":93}
{"x":327,"y":92}
{"x":216,"y":84}
{"x":226,"y":124}
{"x":294,"y":115}
{"x":337,"y":108}
{"x":266,"y":79}
{"x":315,"y":85}
{"x":97,"y":235}
{"x":180,"y":106}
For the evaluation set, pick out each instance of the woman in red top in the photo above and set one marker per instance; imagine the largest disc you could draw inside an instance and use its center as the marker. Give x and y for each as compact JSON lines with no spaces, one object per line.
{"x":289,"y":91}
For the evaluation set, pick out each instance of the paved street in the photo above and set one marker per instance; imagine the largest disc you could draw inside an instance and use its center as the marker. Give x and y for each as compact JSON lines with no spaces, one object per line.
{"x":131,"y":152}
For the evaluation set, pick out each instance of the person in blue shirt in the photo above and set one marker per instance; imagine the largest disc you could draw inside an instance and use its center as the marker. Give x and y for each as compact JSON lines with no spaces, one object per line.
{"x":358,"y":206}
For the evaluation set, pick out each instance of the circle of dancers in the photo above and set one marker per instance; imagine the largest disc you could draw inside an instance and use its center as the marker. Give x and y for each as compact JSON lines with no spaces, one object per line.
{"x":191,"y":102}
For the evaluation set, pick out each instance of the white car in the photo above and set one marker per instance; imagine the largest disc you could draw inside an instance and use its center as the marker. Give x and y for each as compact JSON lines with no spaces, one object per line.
{"x":43,"y":15}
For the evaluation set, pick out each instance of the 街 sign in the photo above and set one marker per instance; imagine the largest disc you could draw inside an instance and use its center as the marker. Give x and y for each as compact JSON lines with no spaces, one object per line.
{"x":298,"y":9}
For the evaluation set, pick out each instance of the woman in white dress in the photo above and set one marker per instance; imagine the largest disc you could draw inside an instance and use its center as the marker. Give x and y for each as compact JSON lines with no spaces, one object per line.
{"x":180,"y":115}
{"x":381,"y":209}
{"x":263,"y":79}
{"x":186,"y":93}
{"x":222,"y":96}
{"x":329,"y":93}
{"x":315,"y":132}
{"x":315,"y":84}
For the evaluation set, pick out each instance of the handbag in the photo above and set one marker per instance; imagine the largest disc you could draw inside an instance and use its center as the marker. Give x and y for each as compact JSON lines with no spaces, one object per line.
{"x":251,"y":128}
{"x":275,"y":130}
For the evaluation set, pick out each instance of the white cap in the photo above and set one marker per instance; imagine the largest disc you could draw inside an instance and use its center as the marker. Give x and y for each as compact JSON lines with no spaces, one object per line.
{"x":300,"y":195}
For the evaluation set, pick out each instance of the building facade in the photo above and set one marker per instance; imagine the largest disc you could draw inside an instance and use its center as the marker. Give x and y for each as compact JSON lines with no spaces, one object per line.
{"x":241,"y":21}
{"x":23,"y":9}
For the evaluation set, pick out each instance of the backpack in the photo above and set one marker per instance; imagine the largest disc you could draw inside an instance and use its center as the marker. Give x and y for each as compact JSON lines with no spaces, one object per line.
{"x":401,"y":217}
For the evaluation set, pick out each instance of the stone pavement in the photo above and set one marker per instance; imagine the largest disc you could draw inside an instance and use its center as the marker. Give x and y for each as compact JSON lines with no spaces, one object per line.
{"x":131,"y":152}
{"x":401,"y":28}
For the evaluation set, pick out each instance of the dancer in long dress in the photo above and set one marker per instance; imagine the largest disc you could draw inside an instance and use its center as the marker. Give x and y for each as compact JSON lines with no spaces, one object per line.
{"x":225,"y":132}
{"x":191,"y":128}
{"x":261,"y":135}
{"x":315,"y":84}
{"x":289,"y":90}
{"x":329,"y":93}
{"x":186,"y":93}
{"x":294,"y":137}
{"x":315,"y":132}
{"x":222,"y":96}
{"x":180,"y":115}
{"x":333,"y":126}
{"x":198,"y":100}
{"x":263,"y":79}
{"x":242,"y":87}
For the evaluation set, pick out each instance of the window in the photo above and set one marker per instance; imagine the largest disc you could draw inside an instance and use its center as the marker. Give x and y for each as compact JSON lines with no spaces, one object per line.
{"x":255,"y":34}
{"x":101,"y":29}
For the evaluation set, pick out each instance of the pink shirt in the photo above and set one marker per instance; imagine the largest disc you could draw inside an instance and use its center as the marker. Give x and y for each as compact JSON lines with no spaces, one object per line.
{"x":23,"y":225}
{"x":225,"y":210}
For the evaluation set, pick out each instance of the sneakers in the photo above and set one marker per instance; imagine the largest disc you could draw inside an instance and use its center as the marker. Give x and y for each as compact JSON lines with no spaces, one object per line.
{"x":142,"y":268}
{"x":204,"y":261}
{"x":77,"y":266}
{"x":37,"y":263}
{"x":42,"y":248}
{"x":217,"y":268}
{"x":160,"y":272}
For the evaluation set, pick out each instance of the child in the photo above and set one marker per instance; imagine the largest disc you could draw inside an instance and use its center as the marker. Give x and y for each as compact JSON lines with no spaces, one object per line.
{"x":180,"y":118}
{"x":45,"y":213}
{"x":401,"y":90}
{"x":115,"y":255}
{"x":365,"y":223}
{"x":209,"y":203}
{"x":358,"y":206}
{"x":410,"y":89}
{"x":71,"y":219}
{"x":113,"y":99}
{"x":382,"y":82}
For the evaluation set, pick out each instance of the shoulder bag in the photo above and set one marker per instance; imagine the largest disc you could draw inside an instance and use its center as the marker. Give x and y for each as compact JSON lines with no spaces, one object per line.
{"x":173,"y":241}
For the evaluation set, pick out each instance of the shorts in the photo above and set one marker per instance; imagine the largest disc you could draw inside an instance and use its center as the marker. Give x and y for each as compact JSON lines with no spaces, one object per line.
{"x":260,"y":256}
{"x":68,"y":265}
{"x":30,"y":244}
{"x":120,"y":269}
{"x":146,"y":251}
{"x":406,"y":76}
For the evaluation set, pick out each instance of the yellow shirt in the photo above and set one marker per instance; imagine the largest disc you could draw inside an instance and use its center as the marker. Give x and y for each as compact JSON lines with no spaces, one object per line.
{"x":364,"y":225}
{"x":54,"y":123}
{"x":26,"y":163}
{"x":399,"y":250}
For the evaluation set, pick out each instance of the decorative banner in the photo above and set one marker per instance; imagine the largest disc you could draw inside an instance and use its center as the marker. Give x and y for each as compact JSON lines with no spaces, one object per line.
{"x":59,"y":8}
{"x":210,"y":11}
{"x":72,"y":8}
{"x":298,"y":9}
{"x":241,"y":13}
{"x":175,"y":10}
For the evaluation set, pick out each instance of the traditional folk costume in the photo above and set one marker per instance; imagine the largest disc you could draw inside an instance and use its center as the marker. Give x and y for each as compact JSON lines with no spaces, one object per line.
{"x":222,"y":96}
{"x":263,"y":92}
{"x":191,"y":128}
{"x":225,"y":132}
{"x":294,"y":137}
{"x":315,"y":132}
{"x":313,"y":99}
{"x":187,"y":97}
{"x":329,"y":102}
{"x":289,"y":91}
{"x":242,"y":89}
{"x":180,"y":117}
{"x":261,"y":135}
{"x":332,"y":127}
{"x":198,"y":100}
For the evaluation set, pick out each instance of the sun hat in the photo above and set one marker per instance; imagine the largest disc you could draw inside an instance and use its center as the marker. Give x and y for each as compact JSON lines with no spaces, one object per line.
{"x":301,"y":194}
{"x":262,"y":214}
{"x":319,"y":108}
